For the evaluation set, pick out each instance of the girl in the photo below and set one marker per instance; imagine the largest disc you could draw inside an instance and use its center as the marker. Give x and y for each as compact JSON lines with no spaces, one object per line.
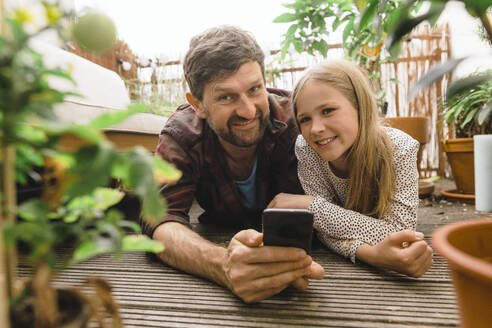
{"x":360,"y":179}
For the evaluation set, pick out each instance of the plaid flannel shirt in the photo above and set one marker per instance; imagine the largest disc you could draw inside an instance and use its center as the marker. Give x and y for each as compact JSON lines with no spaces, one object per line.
{"x":190,"y":145}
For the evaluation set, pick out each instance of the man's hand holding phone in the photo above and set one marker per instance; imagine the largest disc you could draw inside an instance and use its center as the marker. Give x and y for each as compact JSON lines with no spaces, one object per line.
{"x":254,"y":272}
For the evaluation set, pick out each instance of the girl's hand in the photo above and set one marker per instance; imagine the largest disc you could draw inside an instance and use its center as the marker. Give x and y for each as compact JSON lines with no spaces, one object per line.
{"x":404,"y":251}
{"x":291,"y":201}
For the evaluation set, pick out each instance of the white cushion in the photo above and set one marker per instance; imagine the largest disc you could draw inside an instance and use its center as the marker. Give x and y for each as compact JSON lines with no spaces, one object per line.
{"x":97,"y":85}
{"x":102,"y":90}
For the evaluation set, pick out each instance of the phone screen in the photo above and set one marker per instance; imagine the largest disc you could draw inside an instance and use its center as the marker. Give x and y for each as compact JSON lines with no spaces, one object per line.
{"x":288,"y":227}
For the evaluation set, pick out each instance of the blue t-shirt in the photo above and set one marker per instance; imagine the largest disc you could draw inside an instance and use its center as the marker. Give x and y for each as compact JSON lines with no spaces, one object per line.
{"x":247,"y":190}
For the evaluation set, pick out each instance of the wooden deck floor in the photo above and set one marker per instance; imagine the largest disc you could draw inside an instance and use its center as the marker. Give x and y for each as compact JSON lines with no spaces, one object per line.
{"x":152,"y":294}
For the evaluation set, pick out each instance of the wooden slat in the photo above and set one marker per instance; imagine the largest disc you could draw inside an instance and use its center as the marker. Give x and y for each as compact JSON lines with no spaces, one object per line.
{"x":152,"y":294}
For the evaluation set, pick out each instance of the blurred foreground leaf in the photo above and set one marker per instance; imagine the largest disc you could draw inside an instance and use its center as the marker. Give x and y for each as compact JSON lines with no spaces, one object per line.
{"x":485,"y":112}
{"x":109,"y":119}
{"x":141,"y":243}
{"x":432,"y":76}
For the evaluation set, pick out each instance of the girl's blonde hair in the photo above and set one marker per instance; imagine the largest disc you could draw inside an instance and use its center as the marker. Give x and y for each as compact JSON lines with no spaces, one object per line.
{"x":371,"y":173}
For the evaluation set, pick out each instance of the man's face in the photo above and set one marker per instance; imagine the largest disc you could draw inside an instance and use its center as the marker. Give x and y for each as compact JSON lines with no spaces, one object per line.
{"x":236,"y":107}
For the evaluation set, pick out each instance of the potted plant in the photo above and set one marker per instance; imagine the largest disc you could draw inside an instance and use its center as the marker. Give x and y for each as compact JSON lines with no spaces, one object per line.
{"x":464,"y":245}
{"x":465,"y":112}
{"x":467,"y":248}
{"x":480,"y":112}
{"x":76,"y":207}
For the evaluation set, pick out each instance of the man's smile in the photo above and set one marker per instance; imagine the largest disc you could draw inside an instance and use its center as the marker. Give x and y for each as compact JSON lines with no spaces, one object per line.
{"x":244,"y":125}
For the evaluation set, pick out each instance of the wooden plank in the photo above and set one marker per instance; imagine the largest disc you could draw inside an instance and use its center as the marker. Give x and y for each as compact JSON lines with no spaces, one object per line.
{"x":149,"y":318}
{"x":152,"y":294}
{"x":349,"y":296}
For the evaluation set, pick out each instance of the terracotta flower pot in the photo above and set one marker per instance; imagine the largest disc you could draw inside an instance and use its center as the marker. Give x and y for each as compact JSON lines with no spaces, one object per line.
{"x":467,"y":247}
{"x":73,"y":308}
{"x":418,"y":127}
{"x":460,"y":157}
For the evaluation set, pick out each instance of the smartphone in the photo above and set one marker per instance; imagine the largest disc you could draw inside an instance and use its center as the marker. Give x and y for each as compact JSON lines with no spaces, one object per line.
{"x":288,"y":227}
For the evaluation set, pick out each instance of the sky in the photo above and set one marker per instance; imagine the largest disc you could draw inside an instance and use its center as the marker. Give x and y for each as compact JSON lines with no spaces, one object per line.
{"x":152,"y":27}
{"x":163,"y":28}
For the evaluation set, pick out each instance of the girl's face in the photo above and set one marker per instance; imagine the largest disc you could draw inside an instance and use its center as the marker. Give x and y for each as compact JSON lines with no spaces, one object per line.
{"x":329,"y":123}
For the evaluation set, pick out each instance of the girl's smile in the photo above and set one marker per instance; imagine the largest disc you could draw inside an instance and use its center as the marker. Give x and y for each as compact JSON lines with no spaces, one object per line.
{"x":323,"y":143}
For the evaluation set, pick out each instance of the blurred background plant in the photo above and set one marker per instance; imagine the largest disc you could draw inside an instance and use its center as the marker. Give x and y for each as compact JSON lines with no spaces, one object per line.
{"x":364,"y":25}
{"x":468,"y":110}
{"x":469,"y":97}
{"x":76,"y":205}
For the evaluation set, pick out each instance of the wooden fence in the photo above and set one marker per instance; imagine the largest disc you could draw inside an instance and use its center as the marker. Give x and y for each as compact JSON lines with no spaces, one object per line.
{"x":425,"y":49}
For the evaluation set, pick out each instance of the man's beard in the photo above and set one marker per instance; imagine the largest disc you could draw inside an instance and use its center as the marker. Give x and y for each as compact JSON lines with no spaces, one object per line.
{"x":241,"y":138}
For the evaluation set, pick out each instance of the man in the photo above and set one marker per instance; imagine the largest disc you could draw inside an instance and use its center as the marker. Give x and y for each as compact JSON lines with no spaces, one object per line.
{"x":234,"y":143}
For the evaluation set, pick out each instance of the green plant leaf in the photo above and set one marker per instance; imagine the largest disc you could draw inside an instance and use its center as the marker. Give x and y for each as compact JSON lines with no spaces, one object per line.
{"x":291,"y":31}
{"x":466,"y":84}
{"x":165,"y":172}
{"x":31,"y":134}
{"x":477,"y":8}
{"x":33,"y":209}
{"x":130,"y":225}
{"x":89,"y":249}
{"x":403,"y":25}
{"x":360,"y":4}
{"x":285,"y":48}
{"x":485,"y":113}
{"x":285,"y":18}
{"x":469,"y":117}
{"x":296,"y":5}
{"x":154,"y":207}
{"x":59,"y":73}
{"x":30,"y":154}
{"x":107,"y":120}
{"x":86,"y":132}
{"x":141,"y":243}
{"x":397,"y":14}
{"x":104,"y":198}
{"x":433,"y":75}
{"x":323,"y":47}
{"x":368,"y":15}
{"x":336,"y":23}
{"x":142,"y":182}
{"x":93,"y":168}
{"x":348,"y":28}
{"x":437,"y":8}
{"x":298,"y":45}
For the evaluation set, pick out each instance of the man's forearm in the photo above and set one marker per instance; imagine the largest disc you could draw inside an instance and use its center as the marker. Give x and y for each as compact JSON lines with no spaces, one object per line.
{"x":188,"y":251}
